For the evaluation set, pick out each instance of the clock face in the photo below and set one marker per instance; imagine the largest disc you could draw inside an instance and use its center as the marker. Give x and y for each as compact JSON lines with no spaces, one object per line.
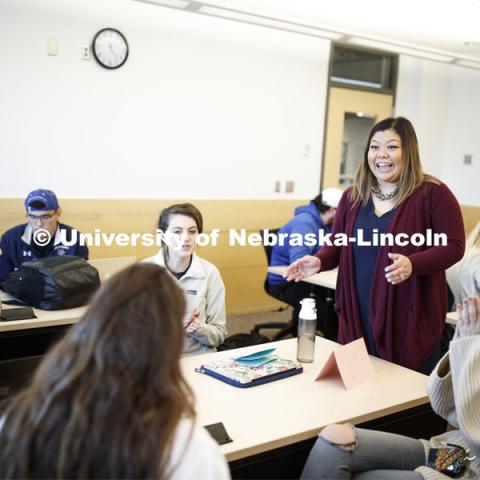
{"x":110,"y":48}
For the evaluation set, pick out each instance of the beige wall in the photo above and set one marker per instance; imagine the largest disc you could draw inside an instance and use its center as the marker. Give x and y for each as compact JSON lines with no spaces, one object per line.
{"x":243,"y":268}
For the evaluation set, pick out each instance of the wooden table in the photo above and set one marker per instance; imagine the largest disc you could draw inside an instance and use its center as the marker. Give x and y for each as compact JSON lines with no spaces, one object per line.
{"x":32,"y":337}
{"x":24,"y":342}
{"x":45,"y":318}
{"x":293,"y":409}
{"x":327,"y":279}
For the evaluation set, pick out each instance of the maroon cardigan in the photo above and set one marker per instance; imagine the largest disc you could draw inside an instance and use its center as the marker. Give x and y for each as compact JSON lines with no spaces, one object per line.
{"x":407,"y":319}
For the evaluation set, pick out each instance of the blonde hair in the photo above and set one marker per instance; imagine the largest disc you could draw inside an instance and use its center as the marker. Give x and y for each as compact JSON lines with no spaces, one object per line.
{"x":412,"y":175}
{"x":473,"y":240}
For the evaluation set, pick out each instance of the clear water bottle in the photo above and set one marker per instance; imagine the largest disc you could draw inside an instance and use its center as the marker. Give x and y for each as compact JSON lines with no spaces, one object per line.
{"x":307,"y":327}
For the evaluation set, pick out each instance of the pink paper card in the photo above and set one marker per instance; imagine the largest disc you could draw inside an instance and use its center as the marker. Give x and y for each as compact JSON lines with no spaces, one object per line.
{"x":352,"y":362}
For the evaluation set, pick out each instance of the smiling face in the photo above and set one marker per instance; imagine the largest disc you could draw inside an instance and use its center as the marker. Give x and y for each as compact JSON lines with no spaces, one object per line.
{"x":181,"y":235}
{"x":385,"y":156}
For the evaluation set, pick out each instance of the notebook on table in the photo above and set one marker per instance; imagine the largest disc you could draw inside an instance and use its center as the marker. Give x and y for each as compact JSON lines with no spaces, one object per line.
{"x":251,"y":370}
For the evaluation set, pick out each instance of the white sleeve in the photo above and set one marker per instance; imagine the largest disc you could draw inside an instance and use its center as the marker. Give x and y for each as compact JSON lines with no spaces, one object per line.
{"x":197,"y":456}
{"x":465,"y":363}
{"x":440,"y":393}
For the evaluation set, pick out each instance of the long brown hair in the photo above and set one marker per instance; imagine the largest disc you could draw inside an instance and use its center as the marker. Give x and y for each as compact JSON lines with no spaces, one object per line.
{"x":412,"y":175}
{"x":106,"y":401}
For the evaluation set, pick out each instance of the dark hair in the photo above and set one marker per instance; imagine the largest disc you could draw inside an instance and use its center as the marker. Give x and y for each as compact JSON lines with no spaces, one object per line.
{"x":321,"y":207}
{"x":106,"y":401}
{"x":186,"y":209}
{"x":36,"y":204}
{"x":412,"y":175}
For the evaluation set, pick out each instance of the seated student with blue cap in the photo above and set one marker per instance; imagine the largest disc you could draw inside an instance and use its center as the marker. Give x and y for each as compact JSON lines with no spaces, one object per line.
{"x":40,"y":237}
{"x":309,"y":219}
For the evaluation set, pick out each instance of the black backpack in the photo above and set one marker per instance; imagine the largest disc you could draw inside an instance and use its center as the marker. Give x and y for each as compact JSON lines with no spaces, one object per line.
{"x":243,"y":340}
{"x":53,"y":283}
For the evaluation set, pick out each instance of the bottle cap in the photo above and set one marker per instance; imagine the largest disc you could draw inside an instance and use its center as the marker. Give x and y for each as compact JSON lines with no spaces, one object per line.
{"x":307,"y":301}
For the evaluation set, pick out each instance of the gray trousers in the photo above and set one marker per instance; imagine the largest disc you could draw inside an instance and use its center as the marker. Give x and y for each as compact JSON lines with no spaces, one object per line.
{"x":379,"y":456}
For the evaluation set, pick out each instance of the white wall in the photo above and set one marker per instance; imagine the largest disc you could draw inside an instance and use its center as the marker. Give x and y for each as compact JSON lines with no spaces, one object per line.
{"x":463,"y":135}
{"x":203,"y":108}
{"x":443,"y":102}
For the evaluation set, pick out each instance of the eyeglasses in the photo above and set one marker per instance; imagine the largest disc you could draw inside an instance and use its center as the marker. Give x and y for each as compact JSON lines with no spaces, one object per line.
{"x":44,"y":218}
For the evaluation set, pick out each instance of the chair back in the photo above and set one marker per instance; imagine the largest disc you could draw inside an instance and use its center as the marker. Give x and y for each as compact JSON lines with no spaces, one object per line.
{"x":268,"y":251}
{"x":268,"y":248}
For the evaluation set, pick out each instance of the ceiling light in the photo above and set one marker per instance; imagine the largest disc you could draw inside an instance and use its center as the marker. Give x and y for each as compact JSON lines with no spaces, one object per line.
{"x":167,"y":3}
{"x":264,"y":21}
{"x":198,"y":6}
{"x":415,"y":52}
{"x":468,"y":63}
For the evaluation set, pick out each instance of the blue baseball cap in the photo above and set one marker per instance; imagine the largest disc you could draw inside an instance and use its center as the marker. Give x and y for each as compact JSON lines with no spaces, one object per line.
{"x":41,"y":200}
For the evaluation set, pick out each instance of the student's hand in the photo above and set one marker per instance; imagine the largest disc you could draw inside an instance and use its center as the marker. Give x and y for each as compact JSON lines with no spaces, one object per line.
{"x":304,"y":267}
{"x":191,"y":321}
{"x":400,"y":270}
{"x":468,"y":317}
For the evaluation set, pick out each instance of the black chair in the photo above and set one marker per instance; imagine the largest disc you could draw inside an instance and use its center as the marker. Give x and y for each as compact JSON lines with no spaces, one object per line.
{"x":286,"y":328}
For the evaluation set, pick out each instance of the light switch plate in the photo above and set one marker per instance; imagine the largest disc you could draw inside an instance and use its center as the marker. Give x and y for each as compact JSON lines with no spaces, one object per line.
{"x":85,"y":52}
{"x":52,"y":48}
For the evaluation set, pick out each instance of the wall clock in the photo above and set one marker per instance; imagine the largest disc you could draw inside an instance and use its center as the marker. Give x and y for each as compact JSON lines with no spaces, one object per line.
{"x":110,"y":48}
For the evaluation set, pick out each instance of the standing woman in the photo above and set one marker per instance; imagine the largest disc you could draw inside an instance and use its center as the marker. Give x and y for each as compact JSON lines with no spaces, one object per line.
{"x":110,"y":400}
{"x":393,"y":296}
{"x":205,"y":320}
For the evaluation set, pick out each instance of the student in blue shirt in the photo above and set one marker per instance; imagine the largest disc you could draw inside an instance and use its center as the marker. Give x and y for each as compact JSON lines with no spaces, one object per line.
{"x":40,"y":237}
{"x":313,"y":218}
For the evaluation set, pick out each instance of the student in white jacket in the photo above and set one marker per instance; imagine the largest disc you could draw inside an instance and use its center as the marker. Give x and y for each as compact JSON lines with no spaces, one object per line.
{"x":205,"y":321}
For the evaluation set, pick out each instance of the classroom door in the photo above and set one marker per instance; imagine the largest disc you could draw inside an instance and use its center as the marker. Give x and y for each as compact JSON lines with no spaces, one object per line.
{"x":351,"y":114}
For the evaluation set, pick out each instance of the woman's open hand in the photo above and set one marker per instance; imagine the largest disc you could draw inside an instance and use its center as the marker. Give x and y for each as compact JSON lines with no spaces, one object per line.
{"x":400,"y":270}
{"x":302,"y":268}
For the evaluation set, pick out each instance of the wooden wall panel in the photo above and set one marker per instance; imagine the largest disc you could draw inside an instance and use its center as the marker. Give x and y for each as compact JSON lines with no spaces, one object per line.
{"x":471,"y":216}
{"x":243,"y":268}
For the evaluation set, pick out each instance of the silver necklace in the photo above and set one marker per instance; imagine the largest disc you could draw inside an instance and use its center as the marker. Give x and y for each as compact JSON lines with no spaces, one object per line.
{"x":383,"y":196}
